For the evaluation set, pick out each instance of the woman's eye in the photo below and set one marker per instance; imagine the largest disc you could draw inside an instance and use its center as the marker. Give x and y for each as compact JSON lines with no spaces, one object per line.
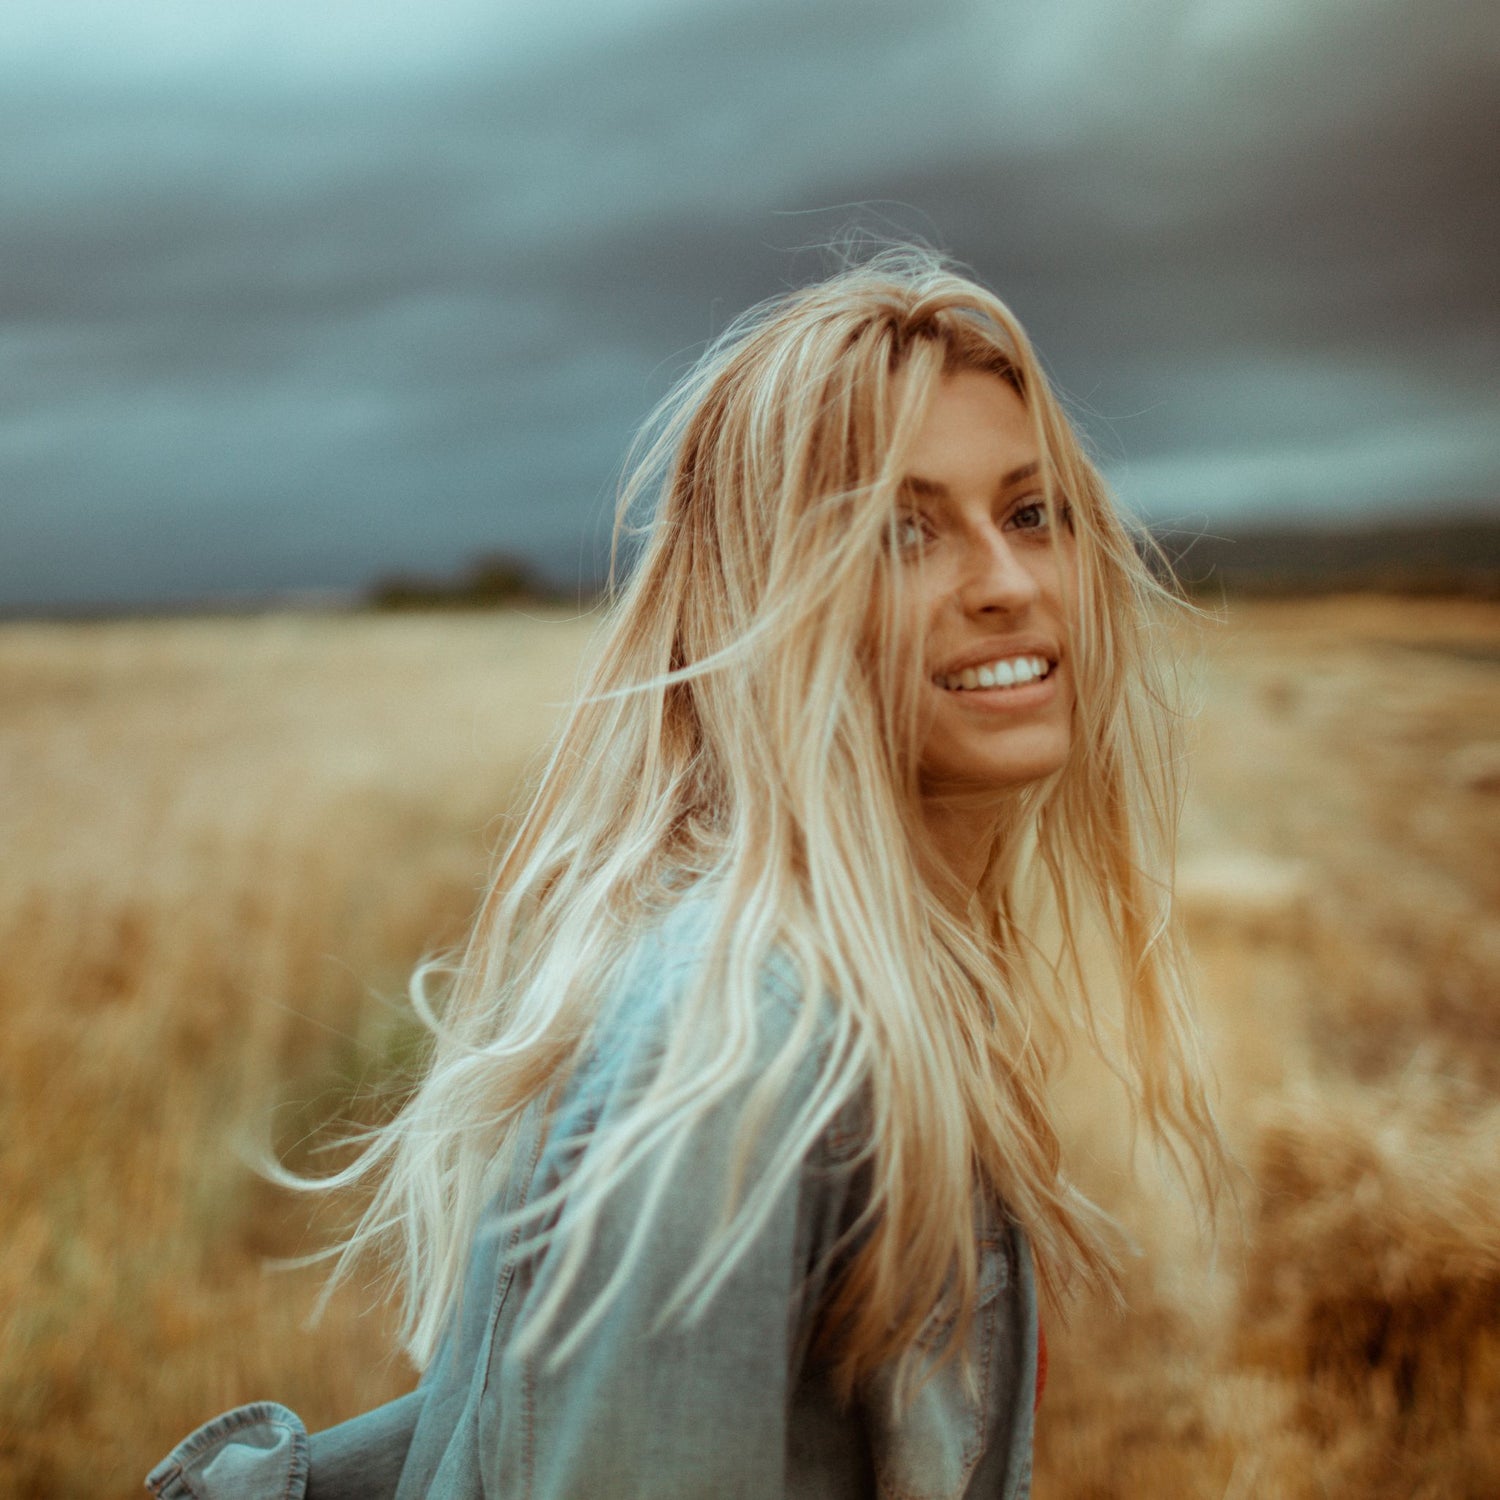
{"x":908,"y":531}
{"x":1032,"y":516}
{"x":1037,"y":515}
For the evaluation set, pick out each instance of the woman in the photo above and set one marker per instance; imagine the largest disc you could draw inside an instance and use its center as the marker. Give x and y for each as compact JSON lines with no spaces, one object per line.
{"x":732,"y":1171}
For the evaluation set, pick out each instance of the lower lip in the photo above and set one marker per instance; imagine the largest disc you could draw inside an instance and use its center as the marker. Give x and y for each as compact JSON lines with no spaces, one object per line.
{"x":1005,"y":700}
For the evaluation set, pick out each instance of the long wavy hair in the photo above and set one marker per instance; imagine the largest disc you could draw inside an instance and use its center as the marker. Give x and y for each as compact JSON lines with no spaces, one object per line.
{"x":747,"y":730}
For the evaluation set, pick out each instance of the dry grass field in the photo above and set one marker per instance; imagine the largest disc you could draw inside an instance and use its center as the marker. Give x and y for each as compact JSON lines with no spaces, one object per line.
{"x":226,"y":842}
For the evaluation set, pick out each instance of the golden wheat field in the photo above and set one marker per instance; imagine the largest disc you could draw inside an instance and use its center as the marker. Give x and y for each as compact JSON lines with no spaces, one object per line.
{"x":227,"y":841}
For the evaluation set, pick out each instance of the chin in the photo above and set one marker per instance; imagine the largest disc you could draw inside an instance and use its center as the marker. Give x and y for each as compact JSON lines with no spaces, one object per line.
{"x":982,"y":774}
{"x":1025,"y":775}
{"x":1032,"y":757}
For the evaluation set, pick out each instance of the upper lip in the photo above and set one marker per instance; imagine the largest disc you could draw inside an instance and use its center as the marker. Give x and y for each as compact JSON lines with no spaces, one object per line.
{"x":990,"y":651}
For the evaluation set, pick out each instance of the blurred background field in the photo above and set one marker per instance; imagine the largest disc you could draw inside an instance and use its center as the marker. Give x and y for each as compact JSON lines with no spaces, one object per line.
{"x":228,"y":840}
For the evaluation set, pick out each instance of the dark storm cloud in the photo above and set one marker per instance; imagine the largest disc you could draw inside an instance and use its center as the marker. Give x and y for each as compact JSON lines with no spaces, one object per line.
{"x":298,"y":305}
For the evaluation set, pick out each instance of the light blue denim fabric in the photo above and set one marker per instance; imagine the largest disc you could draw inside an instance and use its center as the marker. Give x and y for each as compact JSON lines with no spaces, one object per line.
{"x":731,"y":1406}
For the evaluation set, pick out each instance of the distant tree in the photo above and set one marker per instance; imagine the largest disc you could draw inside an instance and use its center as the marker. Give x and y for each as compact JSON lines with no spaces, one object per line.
{"x":490,"y":580}
{"x":1438,"y":557}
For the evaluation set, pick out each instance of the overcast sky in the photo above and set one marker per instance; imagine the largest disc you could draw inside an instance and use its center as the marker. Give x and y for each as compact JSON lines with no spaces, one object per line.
{"x":295,"y":294}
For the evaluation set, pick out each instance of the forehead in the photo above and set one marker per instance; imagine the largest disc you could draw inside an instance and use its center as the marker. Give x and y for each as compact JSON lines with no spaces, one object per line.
{"x":977,"y":433}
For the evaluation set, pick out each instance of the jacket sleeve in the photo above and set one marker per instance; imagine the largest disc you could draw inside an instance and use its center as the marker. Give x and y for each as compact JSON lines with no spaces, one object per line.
{"x":687,"y":1408}
{"x":255,"y":1452}
{"x":262,"y":1452}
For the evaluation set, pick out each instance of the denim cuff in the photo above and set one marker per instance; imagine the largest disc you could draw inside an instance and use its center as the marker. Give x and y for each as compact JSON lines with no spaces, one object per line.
{"x":255,"y":1452}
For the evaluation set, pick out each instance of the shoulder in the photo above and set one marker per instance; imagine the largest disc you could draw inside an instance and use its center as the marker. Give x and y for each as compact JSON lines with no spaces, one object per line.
{"x":660,"y":1012}
{"x":666,"y":964}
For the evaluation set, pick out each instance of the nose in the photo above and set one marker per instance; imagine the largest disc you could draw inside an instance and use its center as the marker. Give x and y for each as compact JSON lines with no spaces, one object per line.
{"x":996,"y":577}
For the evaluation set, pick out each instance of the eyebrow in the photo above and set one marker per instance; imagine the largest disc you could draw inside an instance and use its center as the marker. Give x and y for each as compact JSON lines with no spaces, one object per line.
{"x":930,"y":489}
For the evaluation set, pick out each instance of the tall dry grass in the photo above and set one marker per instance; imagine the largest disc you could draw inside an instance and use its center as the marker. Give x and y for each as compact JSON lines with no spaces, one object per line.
{"x":226,"y":843}
{"x":1343,"y":895}
{"x":219,"y":838}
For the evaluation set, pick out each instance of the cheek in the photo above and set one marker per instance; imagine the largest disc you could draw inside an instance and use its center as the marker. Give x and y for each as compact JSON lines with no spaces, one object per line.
{"x":1063,"y":569}
{"x":913,"y":614}
{"x":892,"y":652}
{"x":1051,"y":567}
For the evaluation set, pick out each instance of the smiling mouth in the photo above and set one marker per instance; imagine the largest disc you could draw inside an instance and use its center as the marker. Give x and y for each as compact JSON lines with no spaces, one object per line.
{"x":1007,"y":672}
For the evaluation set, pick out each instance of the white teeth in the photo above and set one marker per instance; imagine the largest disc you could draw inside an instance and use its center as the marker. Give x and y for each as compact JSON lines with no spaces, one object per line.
{"x":1012,"y":671}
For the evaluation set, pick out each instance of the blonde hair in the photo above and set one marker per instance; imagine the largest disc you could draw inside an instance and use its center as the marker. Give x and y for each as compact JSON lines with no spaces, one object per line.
{"x":746,"y":730}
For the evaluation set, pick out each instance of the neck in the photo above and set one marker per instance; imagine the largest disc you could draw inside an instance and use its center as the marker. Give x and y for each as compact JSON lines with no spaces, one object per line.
{"x":961,"y":831}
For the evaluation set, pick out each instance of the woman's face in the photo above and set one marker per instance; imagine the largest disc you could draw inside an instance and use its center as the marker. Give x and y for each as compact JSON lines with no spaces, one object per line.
{"x":997,"y":704}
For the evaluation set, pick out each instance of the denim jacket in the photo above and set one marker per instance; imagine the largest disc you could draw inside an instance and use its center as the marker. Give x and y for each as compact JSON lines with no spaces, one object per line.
{"x":731,"y":1404}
